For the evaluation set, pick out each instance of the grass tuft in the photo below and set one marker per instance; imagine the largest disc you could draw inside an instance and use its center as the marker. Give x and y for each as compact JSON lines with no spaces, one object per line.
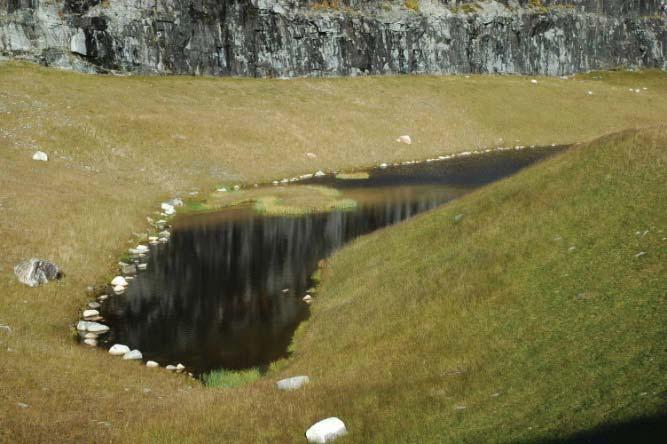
{"x":230,"y":378}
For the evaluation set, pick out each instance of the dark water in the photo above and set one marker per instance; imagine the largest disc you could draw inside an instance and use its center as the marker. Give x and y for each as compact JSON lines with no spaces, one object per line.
{"x":226,"y":291}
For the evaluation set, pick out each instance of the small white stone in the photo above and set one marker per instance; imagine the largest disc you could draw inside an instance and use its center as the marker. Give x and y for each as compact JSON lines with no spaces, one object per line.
{"x":119,"y":289}
{"x":133,"y":355}
{"x":533,"y":81}
{"x":292,"y":383}
{"x":319,"y":173}
{"x":95,"y":327}
{"x":307,"y":299}
{"x":165,"y":206}
{"x":236,"y":187}
{"x":119,"y":280}
{"x":383,"y":165}
{"x":102,"y":297}
{"x":180,"y":367}
{"x":119,"y":349}
{"x":590,"y":93}
{"x":404,"y":139}
{"x":222,"y":190}
{"x":41,"y":156}
{"x":152,"y":364}
{"x":326,"y":431}
{"x":90,"y":313}
{"x":94,"y":305}
{"x":91,"y":342}
{"x":90,"y":335}
{"x":311,"y":155}
{"x":142,"y":266}
{"x":82,"y":325}
{"x":171,"y":368}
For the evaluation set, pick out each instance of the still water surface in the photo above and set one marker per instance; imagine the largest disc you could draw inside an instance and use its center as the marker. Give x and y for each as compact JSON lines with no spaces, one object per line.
{"x":226,"y":291}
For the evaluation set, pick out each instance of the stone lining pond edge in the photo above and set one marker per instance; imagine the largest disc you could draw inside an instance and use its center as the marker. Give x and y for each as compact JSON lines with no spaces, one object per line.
{"x":138,"y":255}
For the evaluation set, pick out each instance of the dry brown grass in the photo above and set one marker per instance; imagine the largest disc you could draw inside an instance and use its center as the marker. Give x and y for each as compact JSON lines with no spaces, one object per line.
{"x":119,"y":145}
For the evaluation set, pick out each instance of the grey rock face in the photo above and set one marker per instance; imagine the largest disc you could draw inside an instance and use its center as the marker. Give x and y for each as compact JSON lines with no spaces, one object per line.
{"x":294,"y":38}
{"x":34,"y":272}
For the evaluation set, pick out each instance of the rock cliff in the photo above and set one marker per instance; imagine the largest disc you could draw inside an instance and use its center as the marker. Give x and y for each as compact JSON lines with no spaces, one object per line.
{"x":332,"y":37}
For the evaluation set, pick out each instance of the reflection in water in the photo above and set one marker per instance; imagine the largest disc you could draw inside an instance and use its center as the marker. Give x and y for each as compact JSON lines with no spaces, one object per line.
{"x":226,"y":291}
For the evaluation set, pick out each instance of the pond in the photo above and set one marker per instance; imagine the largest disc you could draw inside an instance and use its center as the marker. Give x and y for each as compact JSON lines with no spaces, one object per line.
{"x":227,"y":290}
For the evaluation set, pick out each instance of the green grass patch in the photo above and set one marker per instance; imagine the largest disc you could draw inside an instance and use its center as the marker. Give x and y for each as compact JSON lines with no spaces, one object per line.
{"x":362,"y":175}
{"x":230,"y":378}
{"x":412,"y":5}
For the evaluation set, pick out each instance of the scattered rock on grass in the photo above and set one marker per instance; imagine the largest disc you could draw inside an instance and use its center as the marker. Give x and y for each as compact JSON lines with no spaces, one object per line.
{"x":94,"y":305}
{"x":326,"y":431}
{"x":458,"y":218}
{"x":41,"y":156}
{"x":404,"y":139}
{"x":292,"y":383}
{"x":171,"y":368}
{"x":640,"y":254}
{"x":307,"y":299}
{"x":152,"y":364}
{"x":34,"y":272}
{"x":180,"y":367}
{"x":90,"y":313}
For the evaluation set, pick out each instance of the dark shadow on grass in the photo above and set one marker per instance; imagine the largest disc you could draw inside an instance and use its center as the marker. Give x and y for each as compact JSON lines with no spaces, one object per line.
{"x":652,"y":429}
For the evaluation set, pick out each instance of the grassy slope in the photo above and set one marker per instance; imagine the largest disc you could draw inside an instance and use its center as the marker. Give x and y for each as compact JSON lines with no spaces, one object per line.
{"x":124,"y":143}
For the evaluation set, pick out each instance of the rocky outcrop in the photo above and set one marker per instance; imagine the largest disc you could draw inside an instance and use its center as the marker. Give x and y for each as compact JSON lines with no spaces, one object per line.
{"x":347,"y":37}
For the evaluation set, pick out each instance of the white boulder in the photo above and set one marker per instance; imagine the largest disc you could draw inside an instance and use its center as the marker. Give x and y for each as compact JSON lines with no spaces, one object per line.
{"x":292,"y":383}
{"x":41,"y":156}
{"x":152,"y":364}
{"x":96,"y":327}
{"x":404,"y":139}
{"x":326,"y":431}
{"x":133,"y":355}
{"x":142,"y":249}
{"x":119,"y":281}
{"x":92,"y":327}
{"x":118,"y":349}
{"x":90,"y":313}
